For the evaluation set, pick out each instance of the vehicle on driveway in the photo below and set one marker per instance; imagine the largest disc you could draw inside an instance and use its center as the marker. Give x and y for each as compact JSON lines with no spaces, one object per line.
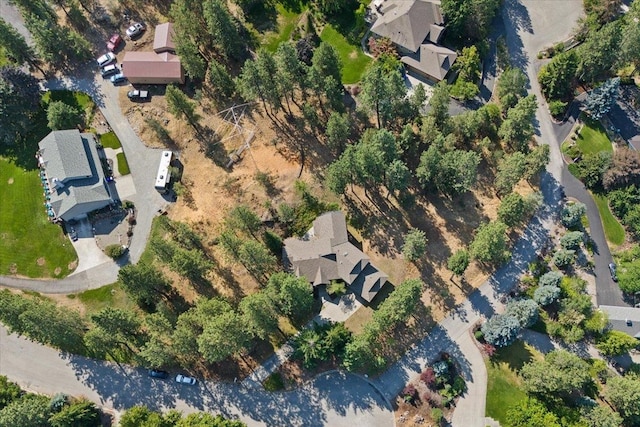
{"x":138,"y":95}
{"x":109,"y":70}
{"x":157,"y":373}
{"x":135,"y":30}
{"x":106,"y":59}
{"x":73,"y":234}
{"x":118,"y":78}
{"x":114,"y":42}
{"x":183,"y":379}
{"x":612,"y":270}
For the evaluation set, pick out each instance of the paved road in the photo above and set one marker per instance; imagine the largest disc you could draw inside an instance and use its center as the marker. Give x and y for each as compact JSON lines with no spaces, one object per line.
{"x":521,"y":17}
{"x":11,"y":14}
{"x":333,"y":399}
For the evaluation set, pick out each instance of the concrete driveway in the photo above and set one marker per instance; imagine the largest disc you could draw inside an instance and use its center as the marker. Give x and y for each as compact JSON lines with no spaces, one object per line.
{"x":89,"y":254}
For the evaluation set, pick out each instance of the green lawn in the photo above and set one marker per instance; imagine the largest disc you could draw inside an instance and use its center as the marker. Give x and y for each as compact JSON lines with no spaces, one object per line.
{"x":287,"y":21}
{"x":112,"y":295}
{"x":354,"y":61}
{"x":30,"y":245}
{"x":503,"y":387}
{"x":593,"y":138}
{"x":612,"y":228}
{"x":110,"y":140}
{"x":79,"y":100}
{"x":123,"y":166}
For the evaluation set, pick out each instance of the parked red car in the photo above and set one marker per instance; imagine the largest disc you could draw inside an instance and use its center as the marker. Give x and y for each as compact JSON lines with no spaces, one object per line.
{"x":114,"y":42}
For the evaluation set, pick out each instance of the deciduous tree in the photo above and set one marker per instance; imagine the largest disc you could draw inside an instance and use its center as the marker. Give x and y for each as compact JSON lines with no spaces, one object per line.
{"x":415,"y":244}
{"x":624,"y":393}
{"x":458,"y":262}
{"x":490,"y":243}
{"x":560,"y":373}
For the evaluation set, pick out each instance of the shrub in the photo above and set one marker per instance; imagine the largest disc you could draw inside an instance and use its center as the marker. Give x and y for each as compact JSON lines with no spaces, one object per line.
{"x":441,"y":369}
{"x":525,"y":310}
{"x":501,"y":330}
{"x":409,"y":393}
{"x":564,"y":257}
{"x":114,"y":251}
{"x":478,"y":335}
{"x":572,"y":239}
{"x":436,"y":415}
{"x":273,"y":382}
{"x":557,"y":107}
{"x":489,"y":349}
{"x":546,"y":294}
{"x":616,"y":343}
{"x":336,"y":288}
{"x":431,"y":397}
{"x":571,"y":214}
{"x":552,"y":278}
{"x":428,"y":377}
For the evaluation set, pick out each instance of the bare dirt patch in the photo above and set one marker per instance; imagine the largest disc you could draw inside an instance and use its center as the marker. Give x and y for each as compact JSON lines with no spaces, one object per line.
{"x":57,"y":271}
{"x":73,"y":265}
{"x":13,"y":269}
{"x":41,"y":261}
{"x":10,"y":181}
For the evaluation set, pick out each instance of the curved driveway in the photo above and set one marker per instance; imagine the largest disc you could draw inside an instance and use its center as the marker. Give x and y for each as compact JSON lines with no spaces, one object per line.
{"x":143,"y":163}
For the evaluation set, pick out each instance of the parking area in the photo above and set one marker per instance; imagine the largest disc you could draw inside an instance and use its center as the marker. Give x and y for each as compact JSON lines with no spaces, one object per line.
{"x":89,"y":254}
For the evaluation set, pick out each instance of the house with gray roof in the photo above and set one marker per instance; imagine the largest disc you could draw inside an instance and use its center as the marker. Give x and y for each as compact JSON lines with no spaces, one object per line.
{"x":416,"y":28}
{"x":324,"y":254}
{"x":73,"y":173}
{"x":623,"y":319}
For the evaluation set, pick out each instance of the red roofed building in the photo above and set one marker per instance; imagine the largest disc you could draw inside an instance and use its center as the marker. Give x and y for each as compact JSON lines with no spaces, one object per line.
{"x":161,"y":66}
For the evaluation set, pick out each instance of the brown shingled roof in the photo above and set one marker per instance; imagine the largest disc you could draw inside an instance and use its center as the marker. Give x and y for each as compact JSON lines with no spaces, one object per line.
{"x":163,"y":38}
{"x":139,"y":67}
{"x":325,"y":254}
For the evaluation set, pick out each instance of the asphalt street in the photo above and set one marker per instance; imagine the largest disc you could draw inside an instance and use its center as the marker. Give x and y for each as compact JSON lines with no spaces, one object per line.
{"x":332,"y":399}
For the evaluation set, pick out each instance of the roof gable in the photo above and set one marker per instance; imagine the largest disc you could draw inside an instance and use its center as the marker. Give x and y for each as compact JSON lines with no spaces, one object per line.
{"x":407,"y":23}
{"x":325,"y":254}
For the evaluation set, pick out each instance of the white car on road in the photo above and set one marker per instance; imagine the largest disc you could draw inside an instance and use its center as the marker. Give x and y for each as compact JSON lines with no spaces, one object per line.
{"x":183,"y":379}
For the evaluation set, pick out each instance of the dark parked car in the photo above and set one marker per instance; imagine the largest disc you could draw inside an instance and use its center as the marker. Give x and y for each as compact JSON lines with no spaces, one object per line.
{"x":157,"y":373}
{"x":612,"y":270}
{"x":74,"y":234}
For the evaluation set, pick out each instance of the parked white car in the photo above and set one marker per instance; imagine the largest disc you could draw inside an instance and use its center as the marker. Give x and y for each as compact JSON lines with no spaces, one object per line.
{"x":135,"y":30}
{"x":105,"y":59}
{"x":183,"y":379}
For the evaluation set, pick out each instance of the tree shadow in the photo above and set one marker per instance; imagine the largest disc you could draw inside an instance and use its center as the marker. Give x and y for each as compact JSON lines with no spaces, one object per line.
{"x":264,"y":16}
{"x":516,"y":18}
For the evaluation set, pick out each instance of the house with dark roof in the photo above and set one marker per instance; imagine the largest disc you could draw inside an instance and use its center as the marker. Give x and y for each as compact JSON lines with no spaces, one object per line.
{"x":416,"y":27}
{"x":325,"y":254}
{"x":160,"y":66}
{"x":73,"y":173}
{"x":623,"y":319}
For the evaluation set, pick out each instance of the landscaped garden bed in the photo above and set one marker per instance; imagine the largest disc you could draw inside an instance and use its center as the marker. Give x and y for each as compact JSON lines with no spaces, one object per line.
{"x":430,"y":398}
